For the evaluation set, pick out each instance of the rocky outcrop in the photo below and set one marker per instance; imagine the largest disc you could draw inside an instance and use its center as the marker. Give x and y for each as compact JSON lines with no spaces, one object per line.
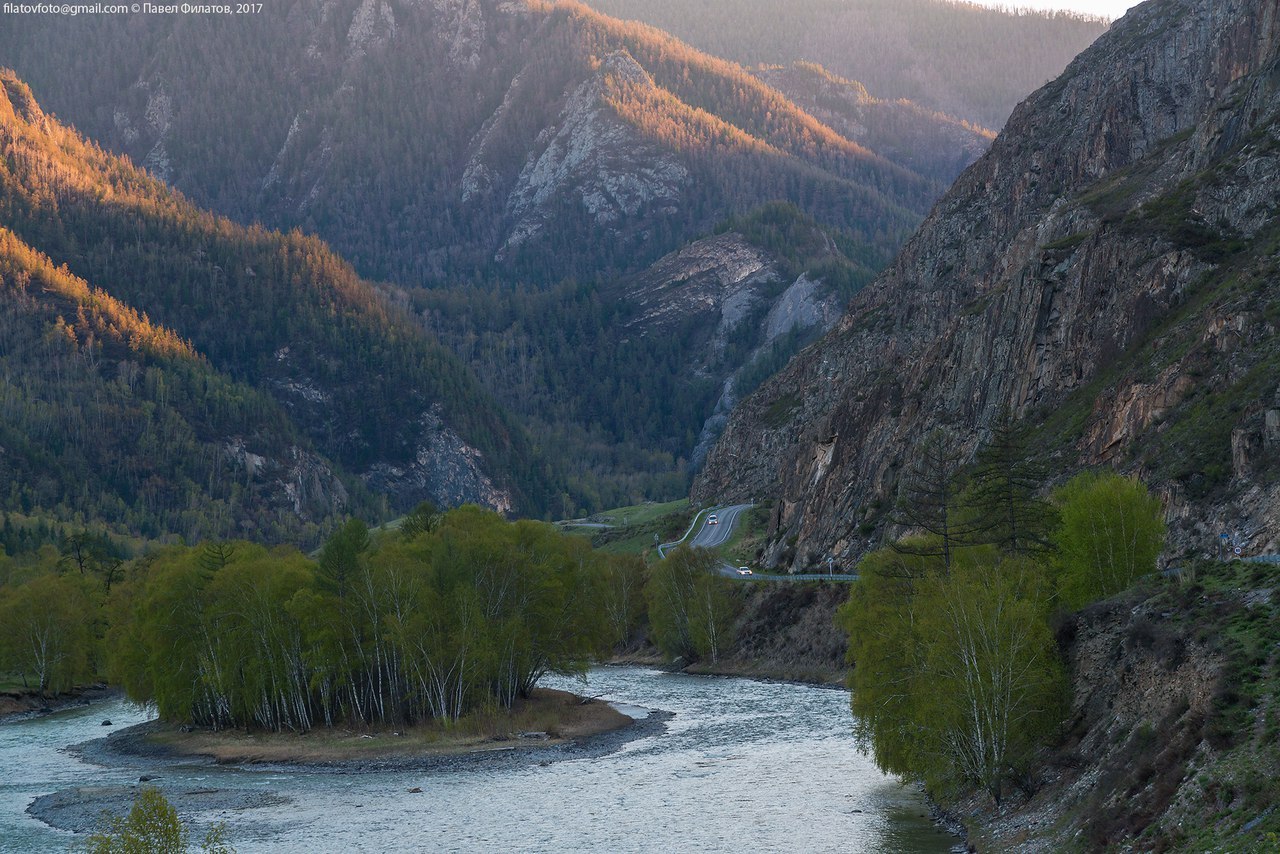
{"x":297,"y":482}
{"x":724,"y":289}
{"x":445,"y":470}
{"x":1103,"y":272}
{"x":592,"y":155}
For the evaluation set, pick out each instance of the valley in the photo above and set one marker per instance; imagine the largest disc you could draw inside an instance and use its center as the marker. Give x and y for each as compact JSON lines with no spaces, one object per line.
{"x":919,"y":348}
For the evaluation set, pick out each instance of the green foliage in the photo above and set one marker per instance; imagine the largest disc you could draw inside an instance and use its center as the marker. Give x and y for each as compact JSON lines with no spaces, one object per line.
{"x":927,"y":501}
{"x":956,"y":678}
{"x":151,"y":409}
{"x":691,"y":608}
{"x":623,"y":602}
{"x":423,"y":519}
{"x":1003,"y":493}
{"x":153,"y":827}
{"x":1112,"y":533}
{"x":47,"y":631}
{"x":340,"y":557}
{"x":464,"y":616}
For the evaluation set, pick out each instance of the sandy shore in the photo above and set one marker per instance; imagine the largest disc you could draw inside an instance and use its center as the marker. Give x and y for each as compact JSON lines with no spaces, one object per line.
{"x":585,"y":728}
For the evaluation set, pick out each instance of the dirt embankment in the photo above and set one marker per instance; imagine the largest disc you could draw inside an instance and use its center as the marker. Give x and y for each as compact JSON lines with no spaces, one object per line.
{"x":785,"y":630}
{"x":18,"y":702}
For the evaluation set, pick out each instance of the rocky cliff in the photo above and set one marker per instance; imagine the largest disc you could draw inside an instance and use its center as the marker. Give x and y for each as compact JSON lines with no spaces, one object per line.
{"x":1105,"y":272}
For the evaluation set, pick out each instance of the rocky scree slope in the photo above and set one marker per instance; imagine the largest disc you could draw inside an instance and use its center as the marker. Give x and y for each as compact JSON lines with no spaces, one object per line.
{"x":1107,"y":272}
{"x":327,"y":356}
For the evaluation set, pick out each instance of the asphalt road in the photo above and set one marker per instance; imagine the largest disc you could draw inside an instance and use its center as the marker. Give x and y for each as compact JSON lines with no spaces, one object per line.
{"x":706,"y":536}
{"x":714,"y":536}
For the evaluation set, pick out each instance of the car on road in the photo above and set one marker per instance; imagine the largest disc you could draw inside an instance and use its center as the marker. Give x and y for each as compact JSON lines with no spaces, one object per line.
{"x":713,"y":519}
{"x":745,"y":570}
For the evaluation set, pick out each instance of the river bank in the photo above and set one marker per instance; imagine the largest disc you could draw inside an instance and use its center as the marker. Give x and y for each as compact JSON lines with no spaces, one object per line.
{"x":21,"y":704}
{"x":755,"y":749}
{"x":550,"y":723}
{"x":577,"y":728}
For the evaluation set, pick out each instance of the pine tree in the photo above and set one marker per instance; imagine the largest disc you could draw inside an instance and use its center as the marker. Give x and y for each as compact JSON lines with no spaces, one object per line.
{"x":927,"y":500}
{"x":1003,"y":493}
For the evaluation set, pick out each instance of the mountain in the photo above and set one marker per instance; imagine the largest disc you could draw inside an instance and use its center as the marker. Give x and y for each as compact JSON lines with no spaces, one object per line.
{"x":969,"y":61}
{"x":627,"y":381}
{"x":924,"y":141}
{"x":160,"y":354}
{"x":110,"y":417}
{"x":1106,"y":274}
{"x":466,"y":140}
{"x":523,"y":172}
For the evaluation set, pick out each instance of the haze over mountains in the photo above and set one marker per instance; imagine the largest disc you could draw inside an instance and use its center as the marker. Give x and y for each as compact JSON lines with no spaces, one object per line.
{"x":617,"y":235}
{"x":455,"y":140}
{"x":967,"y":61}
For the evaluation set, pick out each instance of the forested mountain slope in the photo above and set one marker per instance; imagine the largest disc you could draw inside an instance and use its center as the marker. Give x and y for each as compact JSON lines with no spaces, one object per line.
{"x":1106,"y":273}
{"x":627,"y":381}
{"x":517,"y":170}
{"x":108,"y":417}
{"x":970,"y":61}
{"x":922,"y":140}
{"x":275,"y":348}
{"x":455,"y":139}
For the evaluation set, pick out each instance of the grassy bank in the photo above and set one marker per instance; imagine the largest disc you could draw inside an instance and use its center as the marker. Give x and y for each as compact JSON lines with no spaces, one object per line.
{"x":547,"y":717}
{"x":635,"y":530}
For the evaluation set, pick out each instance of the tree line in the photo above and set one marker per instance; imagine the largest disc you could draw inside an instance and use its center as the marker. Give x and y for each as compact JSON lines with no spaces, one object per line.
{"x":445,"y":615}
{"x":957,"y":678}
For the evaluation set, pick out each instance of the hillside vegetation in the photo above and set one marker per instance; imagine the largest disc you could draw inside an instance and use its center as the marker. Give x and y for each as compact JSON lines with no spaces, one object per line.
{"x":161,"y":353}
{"x":515,"y":172}
{"x":542,"y":139}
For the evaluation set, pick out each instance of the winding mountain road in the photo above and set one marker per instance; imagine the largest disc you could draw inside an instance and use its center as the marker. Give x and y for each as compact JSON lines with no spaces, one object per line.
{"x":705,"y":536}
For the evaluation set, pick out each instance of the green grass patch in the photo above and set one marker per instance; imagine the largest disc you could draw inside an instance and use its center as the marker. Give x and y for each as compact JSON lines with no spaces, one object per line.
{"x":638,"y":529}
{"x":1066,"y":244}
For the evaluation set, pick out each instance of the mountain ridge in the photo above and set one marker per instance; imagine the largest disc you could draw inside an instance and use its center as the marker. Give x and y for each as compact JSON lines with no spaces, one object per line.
{"x":1067,"y":278}
{"x":276,"y":313}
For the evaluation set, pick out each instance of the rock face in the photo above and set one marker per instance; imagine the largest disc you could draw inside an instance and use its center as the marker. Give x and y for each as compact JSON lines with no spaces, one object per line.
{"x":1105,"y":272}
{"x":445,"y":470}
{"x":722,"y":290}
{"x":614,"y":173}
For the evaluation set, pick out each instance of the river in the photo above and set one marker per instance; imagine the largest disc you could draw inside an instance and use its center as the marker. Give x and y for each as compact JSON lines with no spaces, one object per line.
{"x":742,"y":766}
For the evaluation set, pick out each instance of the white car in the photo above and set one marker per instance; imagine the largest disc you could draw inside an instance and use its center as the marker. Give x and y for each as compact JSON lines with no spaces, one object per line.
{"x":744,"y":570}
{"x":713,"y":519}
